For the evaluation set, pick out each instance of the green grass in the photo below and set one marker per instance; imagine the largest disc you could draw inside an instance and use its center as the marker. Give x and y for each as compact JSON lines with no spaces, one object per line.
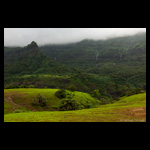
{"x":23,"y":97}
{"x":128,"y":109}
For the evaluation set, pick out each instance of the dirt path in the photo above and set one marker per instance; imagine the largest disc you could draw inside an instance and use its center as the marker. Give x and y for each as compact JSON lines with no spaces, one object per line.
{"x":140,"y":112}
{"x":136,"y":114}
{"x":9,"y":99}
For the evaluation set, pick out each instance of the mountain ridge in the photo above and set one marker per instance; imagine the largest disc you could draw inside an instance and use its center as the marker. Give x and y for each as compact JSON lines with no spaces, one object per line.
{"x":90,"y":50}
{"x":28,"y":60}
{"x":113,"y":66}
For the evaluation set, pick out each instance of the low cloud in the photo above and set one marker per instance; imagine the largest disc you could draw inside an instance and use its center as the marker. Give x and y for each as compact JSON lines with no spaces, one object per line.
{"x":24,"y":36}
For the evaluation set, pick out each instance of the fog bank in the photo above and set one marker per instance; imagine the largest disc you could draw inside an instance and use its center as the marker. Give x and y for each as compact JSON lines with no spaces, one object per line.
{"x":24,"y":36}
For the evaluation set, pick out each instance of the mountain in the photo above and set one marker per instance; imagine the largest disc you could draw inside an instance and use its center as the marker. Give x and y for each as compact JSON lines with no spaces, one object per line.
{"x":113,"y":66}
{"x":89,"y":53}
{"x":29,"y":60}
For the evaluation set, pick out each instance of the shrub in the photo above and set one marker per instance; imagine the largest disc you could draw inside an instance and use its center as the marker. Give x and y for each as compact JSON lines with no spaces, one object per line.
{"x":23,"y":86}
{"x":95,"y":94}
{"x":31,"y":86}
{"x":61,"y":94}
{"x":105,"y":101}
{"x":138,"y":90}
{"x":132,"y":92}
{"x":18,"y":111}
{"x":68,"y":104}
{"x":39,"y":101}
{"x":71,"y":88}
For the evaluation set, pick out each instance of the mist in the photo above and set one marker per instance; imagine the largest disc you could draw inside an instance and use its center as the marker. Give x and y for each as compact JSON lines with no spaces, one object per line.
{"x":43,"y":36}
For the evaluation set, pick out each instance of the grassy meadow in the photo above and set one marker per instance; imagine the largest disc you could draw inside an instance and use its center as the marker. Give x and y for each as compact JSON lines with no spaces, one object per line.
{"x":127,"y":109}
{"x":21,"y":99}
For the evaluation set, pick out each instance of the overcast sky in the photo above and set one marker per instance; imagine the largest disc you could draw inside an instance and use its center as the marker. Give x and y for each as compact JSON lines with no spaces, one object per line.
{"x":24,"y":36}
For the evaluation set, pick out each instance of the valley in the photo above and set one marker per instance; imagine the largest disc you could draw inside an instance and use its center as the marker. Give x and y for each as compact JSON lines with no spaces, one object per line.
{"x":96,"y":81}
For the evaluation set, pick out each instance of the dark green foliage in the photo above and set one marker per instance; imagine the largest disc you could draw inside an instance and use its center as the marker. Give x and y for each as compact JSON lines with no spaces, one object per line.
{"x":61,"y":94}
{"x":29,"y":60}
{"x":68,"y":104}
{"x":144,"y":87}
{"x":23,"y":86}
{"x":31,"y":86}
{"x":88,"y":53}
{"x":115,"y":66}
{"x":72,"y":88}
{"x":132,"y":92}
{"x":105,"y":101}
{"x":39,"y":101}
{"x":18,"y":111}
{"x":95,"y":93}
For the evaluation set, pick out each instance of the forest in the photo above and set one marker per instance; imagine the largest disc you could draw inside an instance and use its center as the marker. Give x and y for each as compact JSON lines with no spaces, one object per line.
{"x":114,"y":67}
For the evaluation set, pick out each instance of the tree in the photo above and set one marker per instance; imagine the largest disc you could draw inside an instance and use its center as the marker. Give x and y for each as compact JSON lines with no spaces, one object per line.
{"x":61,"y":94}
{"x":68,"y":104}
{"x":71,"y":88}
{"x":95,"y":93}
{"x":39,"y":101}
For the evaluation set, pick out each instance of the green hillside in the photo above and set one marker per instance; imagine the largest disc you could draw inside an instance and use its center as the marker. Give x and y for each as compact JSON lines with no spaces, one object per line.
{"x":128,"y":109}
{"x":90,"y":53}
{"x":22,"y":99}
{"x":115,"y":67}
{"x":87,"y":81}
{"x":29,"y":60}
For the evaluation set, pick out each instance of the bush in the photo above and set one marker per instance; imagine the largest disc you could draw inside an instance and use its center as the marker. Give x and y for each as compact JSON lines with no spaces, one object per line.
{"x":61,"y":94}
{"x":95,"y":94}
{"x":39,"y":101}
{"x":71,"y":88}
{"x":105,"y":101}
{"x":18,"y":111}
{"x":68,"y":104}
{"x":23,"y":86}
{"x":31,"y":86}
{"x":132,"y":92}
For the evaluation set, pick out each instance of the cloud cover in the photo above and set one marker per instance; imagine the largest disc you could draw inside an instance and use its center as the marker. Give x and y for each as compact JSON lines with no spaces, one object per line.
{"x":24,"y":36}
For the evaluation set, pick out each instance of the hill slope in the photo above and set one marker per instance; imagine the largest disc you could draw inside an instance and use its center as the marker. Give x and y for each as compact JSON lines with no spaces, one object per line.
{"x":129,"y":109}
{"x":29,"y":60}
{"x":89,"y":53}
{"x":21,"y":99}
{"x":113,"y":66}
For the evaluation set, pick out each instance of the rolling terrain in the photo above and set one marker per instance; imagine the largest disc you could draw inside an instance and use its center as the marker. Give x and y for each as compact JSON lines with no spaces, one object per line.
{"x":128,"y":109}
{"x":99,"y":81}
{"x":113,"y":66}
{"x":21,"y":99}
{"x":29,"y":60}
